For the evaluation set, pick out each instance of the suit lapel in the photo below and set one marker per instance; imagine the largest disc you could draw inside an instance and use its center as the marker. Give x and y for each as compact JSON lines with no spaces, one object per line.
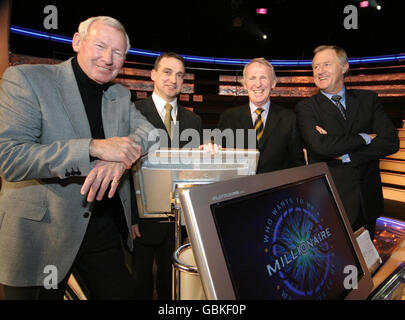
{"x":327,"y":106}
{"x":352,"y":108}
{"x":72,"y":101}
{"x":152,"y":114}
{"x":180,"y":118}
{"x":271,"y":122}
{"x":246,"y":118}
{"x":111,"y":113}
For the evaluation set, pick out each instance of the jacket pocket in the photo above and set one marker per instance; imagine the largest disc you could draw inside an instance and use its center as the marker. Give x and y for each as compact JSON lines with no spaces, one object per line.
{"x":35,"y":213}
{"x":26,"y":211}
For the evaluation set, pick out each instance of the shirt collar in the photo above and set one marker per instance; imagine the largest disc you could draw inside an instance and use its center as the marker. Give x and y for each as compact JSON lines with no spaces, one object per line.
{"x":253,"y":107}
{"x":160,"y":104}
{"x":341,"y":93}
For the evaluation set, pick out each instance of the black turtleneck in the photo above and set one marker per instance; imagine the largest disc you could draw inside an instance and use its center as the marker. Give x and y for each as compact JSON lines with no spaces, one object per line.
{"x":92,"y":95}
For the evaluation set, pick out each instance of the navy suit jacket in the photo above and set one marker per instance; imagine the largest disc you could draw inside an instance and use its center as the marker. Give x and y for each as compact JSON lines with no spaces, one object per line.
{"x":358,"y":182}
{"x":151,"y":229}
{"x":280,"y":146}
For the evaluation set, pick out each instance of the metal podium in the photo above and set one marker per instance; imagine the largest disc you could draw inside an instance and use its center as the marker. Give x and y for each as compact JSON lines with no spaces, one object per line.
{"x":160,"y":175}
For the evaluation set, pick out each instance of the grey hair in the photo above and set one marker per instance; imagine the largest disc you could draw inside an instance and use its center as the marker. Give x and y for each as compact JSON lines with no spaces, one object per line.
{"x":84,"y":27}
{"x":340,"y":52}
{"x":261,"y":61}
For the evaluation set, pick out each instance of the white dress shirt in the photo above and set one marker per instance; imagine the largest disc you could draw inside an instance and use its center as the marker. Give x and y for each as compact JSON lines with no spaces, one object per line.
{"x":160,"y":107}
{"x":265,"y":107}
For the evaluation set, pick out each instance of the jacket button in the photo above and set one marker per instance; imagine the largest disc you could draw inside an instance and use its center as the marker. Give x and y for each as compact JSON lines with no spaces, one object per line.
{"x":86,"y":215}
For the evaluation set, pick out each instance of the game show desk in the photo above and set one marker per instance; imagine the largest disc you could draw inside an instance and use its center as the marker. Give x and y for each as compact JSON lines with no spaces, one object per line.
{"x":389,"y":280}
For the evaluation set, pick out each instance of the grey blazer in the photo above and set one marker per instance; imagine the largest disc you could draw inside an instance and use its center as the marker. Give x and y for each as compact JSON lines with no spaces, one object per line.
{"x":44,"y":138}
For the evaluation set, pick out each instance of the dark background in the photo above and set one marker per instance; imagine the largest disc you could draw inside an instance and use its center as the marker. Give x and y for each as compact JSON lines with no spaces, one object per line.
{"x":211,"y":28}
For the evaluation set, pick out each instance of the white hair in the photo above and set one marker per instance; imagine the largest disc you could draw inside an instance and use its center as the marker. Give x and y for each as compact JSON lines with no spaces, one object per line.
{"x":262,"y":61}
{"x":85,"y":26}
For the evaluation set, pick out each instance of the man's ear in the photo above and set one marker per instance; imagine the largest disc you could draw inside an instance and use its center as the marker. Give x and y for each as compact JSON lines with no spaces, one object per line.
{"x":76,"y":42}
{"x":273,"y":85}
{"x":153,"y":74}
{"x":345,"y":68}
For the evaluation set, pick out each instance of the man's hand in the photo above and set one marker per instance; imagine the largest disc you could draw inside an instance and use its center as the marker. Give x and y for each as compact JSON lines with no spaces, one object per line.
{"x":321,"y":130}
{"x":100,"y":177}
{"x":135,"y":231}
{"x":372,"y":135}
{"x":211,"y":148}
{"x":117,"y":149}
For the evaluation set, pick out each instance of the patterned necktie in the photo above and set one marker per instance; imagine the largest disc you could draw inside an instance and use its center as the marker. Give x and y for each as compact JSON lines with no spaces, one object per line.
{"x":168,"y":119}
{"x":339,"y":105}
{"x":259,"y":124}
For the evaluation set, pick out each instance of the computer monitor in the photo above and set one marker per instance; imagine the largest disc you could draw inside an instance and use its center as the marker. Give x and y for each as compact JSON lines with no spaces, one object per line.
{"x":277,"y":235}
{"x":157,"y":174}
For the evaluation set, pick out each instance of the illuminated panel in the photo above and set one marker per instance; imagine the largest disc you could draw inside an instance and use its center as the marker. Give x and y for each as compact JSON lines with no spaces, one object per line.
{"x":261,"y":10}
{"x":363,"y":4}
{"x":303,"y":86}
{"x":229,"y":90}
{"x":146,"y":73}
{"x":144,"y":85}
{"x":135,"y":72}
{"x":198,"y":98}
{"x":184,"y":97}
{"x":230,"y":78}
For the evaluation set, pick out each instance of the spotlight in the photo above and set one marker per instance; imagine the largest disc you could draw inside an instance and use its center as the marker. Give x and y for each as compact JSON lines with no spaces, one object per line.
{"x":261,"y":11}
{"x":264,"y":37}
{"x":364,"y":4}
{"x":378,"y":7}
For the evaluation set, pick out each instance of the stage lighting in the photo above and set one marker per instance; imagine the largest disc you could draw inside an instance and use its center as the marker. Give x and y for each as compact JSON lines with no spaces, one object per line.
{"x":261,"y":10}
{"x":363,"y":4}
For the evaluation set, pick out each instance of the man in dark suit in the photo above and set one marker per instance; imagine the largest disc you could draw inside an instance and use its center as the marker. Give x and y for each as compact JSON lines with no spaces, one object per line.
{"x":154,"y":237}
{"x":349,"y":130}
{"x":263,"y":124}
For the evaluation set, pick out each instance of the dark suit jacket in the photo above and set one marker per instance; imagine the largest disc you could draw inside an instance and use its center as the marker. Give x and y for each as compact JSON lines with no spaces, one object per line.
{"x":280,"y":146}
{"x":358,"y":182}
{"x":185,"y":120}
{"x":152,"y":231}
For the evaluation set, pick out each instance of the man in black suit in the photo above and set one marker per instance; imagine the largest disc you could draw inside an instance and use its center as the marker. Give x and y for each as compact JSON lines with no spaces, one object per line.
{"x":349,"y":130}
{"x":154,"y":237}
{"x":263,"y":124}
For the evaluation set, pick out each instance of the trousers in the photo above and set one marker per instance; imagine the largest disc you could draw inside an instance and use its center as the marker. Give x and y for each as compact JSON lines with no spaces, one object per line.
{"x":100,"y":263}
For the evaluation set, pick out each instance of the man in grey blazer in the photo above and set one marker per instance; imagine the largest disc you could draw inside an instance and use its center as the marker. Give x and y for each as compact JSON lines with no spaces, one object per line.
{"x":68,"y":137}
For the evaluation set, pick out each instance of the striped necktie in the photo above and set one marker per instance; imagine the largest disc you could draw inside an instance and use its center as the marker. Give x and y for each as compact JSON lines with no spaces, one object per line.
{"x":339,"y":105}
{"x":168,"y":118}
{"x":259,"y":124}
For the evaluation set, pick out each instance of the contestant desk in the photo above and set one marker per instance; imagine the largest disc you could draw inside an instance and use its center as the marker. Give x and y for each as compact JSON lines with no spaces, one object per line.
{"x":158,"y":174}
{"x":158,"y":178}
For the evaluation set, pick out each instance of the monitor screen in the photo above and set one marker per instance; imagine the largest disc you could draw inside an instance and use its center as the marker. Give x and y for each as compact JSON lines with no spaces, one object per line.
{"x":285,"y":243}
{"x":276,"y":235}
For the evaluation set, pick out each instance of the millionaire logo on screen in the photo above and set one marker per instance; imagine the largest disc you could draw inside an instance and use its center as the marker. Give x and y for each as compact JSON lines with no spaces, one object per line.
{"x":297,"y":250}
